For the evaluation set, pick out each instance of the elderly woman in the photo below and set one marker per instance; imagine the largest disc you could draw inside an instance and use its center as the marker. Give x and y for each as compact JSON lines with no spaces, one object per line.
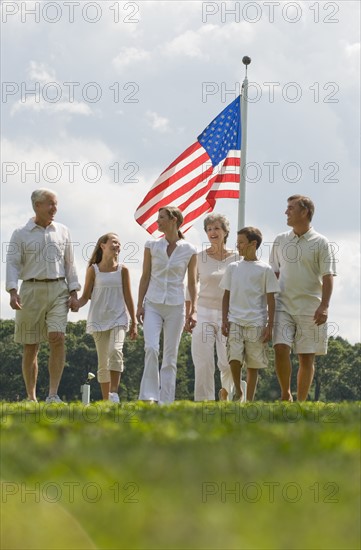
{"x":211,"y":265}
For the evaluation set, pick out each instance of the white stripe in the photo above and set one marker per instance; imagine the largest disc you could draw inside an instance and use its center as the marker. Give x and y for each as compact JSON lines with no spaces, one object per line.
{"x":178,"y":184}
{"x":180,"y":165}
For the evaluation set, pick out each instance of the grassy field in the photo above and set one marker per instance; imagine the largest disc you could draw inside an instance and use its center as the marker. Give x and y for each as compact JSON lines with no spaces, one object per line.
{"x":253,"y":476}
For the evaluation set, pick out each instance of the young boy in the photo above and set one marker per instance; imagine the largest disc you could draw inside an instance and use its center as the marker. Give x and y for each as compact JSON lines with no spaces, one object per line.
{"x":247,"y":311}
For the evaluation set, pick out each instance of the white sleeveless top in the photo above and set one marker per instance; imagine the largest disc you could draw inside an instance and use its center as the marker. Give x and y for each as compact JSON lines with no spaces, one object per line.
{"x":107,"y":307}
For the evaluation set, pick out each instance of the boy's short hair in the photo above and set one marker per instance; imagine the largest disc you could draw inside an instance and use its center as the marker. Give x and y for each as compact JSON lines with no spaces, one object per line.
{"x":252,"y":234}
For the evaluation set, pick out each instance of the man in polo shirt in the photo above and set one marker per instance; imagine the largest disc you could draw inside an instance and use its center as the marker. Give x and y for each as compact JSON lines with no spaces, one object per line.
{"x":304,"y":262}
{"x":41,"y":254}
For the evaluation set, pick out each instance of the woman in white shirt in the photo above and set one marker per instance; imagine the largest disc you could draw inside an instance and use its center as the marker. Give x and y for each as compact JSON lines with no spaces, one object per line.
{"x":212,"y":263}
{"x":161,"y":304}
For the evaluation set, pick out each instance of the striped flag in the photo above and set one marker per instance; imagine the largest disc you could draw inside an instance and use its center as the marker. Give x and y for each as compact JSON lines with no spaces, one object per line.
{"x":208,"y":170}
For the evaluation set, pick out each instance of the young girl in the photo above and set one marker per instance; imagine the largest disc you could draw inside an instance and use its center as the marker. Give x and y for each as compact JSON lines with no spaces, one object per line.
{"x":108,"y":285}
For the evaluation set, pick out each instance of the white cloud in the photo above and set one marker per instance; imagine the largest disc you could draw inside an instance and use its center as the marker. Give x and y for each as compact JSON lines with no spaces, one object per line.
{"x":157,"y":122}
{"x":129,"y":56}
{"x":74,"y":108}
{"x":40,"y":73}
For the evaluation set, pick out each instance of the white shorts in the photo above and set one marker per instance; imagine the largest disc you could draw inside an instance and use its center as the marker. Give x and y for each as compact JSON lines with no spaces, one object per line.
{"x":244,"y":344}
{"x":300,"y":333}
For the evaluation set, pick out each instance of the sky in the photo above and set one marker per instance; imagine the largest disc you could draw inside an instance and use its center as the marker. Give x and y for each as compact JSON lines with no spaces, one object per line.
{"x":98,"y":98}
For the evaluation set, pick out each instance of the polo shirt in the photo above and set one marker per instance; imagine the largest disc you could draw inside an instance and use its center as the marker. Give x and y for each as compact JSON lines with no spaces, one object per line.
{"x":301,"y":263}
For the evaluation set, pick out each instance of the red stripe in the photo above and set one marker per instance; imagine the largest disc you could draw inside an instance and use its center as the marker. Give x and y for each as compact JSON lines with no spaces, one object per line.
{"x":191,"y":149}
{"x":225,"y":178}
{"x":169,"y":199}
{"x":223,"y":194}
{"x":159,"y":188}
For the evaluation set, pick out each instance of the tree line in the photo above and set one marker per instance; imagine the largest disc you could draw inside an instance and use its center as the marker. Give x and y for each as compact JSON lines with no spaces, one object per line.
{"x":337,"y":377}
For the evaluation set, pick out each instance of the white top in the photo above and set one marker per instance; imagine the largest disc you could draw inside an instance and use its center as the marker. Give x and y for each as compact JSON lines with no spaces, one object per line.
{"x":248,"y":283}
{"x":37,"y":252}
{"x":301,"y":263}
{"x":166,"y":285}
{"x":107,"y":307}
{"x":210,"y":272}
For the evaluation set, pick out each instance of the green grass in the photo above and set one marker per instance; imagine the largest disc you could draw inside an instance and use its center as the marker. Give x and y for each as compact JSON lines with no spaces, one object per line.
{"x":254,"y":476}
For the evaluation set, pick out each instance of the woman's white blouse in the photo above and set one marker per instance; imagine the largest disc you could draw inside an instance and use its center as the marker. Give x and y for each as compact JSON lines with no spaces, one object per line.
{"x":166,"y":285}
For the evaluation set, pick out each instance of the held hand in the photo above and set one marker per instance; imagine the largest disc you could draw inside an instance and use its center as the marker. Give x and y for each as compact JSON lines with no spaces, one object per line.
{"x":73,"y":303}
{"x":15,"y":302}
{"x":140,"y":315}
{"x":320,"y":316}
{"x":266,"y":334}
{"x":225,"y":328}
{"x":133,"y":331}
{"x":191,"y":322}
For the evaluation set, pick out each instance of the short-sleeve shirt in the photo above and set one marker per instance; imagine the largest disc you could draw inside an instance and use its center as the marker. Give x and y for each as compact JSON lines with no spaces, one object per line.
{"x":301,"y":263}
{"x":166,"y":285}
{"x":248,"y":283}
{"x":210,"y":272}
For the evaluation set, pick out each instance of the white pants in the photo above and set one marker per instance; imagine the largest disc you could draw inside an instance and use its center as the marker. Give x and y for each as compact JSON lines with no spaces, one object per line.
{"x":109,"y":346}
{"x":155,"y":384}
{"x":207,"y":333}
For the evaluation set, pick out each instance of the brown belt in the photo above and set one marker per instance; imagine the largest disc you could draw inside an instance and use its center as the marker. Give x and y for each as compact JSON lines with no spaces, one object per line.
{"x":44,"y":280}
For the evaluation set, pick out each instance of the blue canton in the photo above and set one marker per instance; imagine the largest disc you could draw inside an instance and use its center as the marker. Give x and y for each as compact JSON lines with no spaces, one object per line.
{"x":223,"y":133}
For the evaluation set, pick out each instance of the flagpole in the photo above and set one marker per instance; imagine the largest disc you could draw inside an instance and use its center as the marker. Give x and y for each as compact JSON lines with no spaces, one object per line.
{"x":242,"y":186}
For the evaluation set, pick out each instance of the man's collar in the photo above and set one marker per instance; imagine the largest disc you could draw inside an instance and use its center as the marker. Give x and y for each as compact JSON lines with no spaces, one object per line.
{"x":307,"y":236}
{"x":31,"y":224}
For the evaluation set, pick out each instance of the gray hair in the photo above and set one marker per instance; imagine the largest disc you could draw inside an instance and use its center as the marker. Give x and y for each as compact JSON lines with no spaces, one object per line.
{"x":39,"y":195}
{"x":214,"y":218}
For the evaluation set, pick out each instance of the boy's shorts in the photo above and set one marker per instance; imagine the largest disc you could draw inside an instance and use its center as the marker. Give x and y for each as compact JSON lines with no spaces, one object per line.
{"x":244,"y":344}
{"x":300,"y":333}
{"x":44,"y":310}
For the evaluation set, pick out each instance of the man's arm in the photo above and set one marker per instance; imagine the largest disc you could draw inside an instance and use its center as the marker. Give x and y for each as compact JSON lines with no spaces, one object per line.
{"x":70,"y":269}
{"x":321,"y":312}
{"x":13,"y":265}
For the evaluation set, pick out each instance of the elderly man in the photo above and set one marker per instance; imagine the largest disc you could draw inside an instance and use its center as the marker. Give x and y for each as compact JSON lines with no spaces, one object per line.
{"x":304,"y":262}
{"x":41,"y":254}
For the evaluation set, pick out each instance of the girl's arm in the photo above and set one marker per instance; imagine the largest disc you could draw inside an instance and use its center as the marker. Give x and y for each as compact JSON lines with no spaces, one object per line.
{"x":88,"y":286}
{"x":133,"y":333}
{"x":144,"y":283}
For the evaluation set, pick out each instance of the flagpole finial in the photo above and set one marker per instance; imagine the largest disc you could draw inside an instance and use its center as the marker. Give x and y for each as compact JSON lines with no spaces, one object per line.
{"x":246,"y":60}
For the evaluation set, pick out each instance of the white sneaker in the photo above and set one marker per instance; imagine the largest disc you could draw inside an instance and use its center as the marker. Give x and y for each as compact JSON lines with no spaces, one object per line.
{"x":113,"y":397}
{"x":53,"y":399}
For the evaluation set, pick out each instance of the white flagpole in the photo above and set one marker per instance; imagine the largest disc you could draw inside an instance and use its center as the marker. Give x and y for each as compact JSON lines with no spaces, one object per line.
{"x":242,"y":186}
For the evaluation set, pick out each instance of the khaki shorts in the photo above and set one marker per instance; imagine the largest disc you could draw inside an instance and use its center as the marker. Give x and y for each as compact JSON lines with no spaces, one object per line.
{"x":244,"y":345}
{"x":300,"y":333}
{"x":44,"y":310}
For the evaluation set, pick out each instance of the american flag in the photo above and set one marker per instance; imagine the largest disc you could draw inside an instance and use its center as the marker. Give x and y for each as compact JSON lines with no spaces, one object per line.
{"x":205,"y":171}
